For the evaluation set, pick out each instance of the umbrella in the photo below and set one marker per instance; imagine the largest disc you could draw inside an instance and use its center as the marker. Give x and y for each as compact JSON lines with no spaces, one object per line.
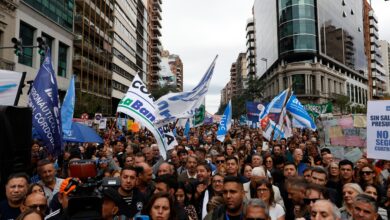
{"x":82,"y":134}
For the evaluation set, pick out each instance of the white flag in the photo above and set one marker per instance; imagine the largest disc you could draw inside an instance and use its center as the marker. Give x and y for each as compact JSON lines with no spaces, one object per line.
{"x":138,"y":103}
{"x":173,"y":106}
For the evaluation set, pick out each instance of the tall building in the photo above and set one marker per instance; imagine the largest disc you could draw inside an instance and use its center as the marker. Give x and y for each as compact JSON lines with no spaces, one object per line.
{"x":384,"y":47}
{"x":7,"y":32}
{"x":238,"y":74}
{"x":316,"y":47}
{"x":226,"y":93}
{"x":378,"y":74}
{"x":93,"y":30}
{"x":130,"y":50}
{"x":53,"y":21}
{"x":154,"y":47}
{"x":251,"y":46}
{"x":171,"y":72}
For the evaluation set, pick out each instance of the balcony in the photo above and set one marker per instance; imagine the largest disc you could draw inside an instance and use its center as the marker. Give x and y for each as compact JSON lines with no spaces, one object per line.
{"x":95,"y":51}
{"x":90,"y":66}
{"x":156,"y":30}
{"x":6,"y":64}
{"x":91,"y":7}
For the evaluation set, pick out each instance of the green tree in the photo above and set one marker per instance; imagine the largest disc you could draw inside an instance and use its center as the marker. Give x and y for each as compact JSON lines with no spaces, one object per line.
{"x":342,"y":102}
{"x":221,"y":109}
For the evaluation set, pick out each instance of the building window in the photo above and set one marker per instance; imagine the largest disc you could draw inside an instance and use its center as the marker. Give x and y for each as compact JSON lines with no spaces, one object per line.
{"x":26,"y":33}
{"x":285,"y":82}
{"x":356,"y":94}
{"x":313,"y":84}
{"x":322,"y":83}
{"x":360,"y":95}
{"x":62,"y":59}
{"x":352,"y":93}
{"x":298,"y":84}
{"x":348,"y":92}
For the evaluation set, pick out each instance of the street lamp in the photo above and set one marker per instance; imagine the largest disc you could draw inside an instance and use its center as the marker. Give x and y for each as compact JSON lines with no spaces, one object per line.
{"x":265,"y":60}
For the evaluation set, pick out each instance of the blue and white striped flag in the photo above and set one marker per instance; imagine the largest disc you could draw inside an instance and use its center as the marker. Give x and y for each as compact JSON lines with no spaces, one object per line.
{"x":299,"y":113}
{"x":173,"y":106}
{"x":225,"y":123}
{"x":276,"y":105}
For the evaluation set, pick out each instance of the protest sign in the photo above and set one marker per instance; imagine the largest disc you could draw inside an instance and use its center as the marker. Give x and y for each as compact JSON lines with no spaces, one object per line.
{"x":378,"y":129}
{"x":315,"y":110}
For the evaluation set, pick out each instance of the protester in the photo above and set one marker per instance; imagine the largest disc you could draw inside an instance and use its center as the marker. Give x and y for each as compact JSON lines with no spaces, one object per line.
{"x":160,"y":207}
{"x":15,"y":189}
{"x":51,"y":184}
{"x":324,"y":210}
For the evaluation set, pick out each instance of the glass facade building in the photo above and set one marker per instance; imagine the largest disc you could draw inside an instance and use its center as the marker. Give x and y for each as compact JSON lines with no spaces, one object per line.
{"x":340,"y":26}
{"x":60,"y":11}
{"x":297,"y":26}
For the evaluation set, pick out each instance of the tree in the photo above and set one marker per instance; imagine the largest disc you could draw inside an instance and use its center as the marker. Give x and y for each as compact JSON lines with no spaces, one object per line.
{"x":342,"y":102}
{"x":221,"y":108}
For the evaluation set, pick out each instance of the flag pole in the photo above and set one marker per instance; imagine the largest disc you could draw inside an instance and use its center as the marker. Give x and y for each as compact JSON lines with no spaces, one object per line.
{"x":284,"y":106}
{"x":112,"y":126}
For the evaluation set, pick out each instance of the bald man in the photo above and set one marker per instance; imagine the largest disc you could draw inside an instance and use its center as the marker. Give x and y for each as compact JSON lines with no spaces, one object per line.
{"x":165,"y":168}
{"x":145,"y":176}
{"x":35,"y":201}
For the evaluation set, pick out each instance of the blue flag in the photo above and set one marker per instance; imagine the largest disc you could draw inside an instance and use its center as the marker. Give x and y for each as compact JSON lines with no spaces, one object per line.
{"x":67,"y":108}
{"x":276,"y":105}
{"x":299,"y":113}
{"x":225,"y":123}
{"x":46,"y":114}
{"x":187,"y":128}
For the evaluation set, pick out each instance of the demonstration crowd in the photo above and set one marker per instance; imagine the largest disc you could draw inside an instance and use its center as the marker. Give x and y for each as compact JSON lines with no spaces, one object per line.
{"x":246,"y":177}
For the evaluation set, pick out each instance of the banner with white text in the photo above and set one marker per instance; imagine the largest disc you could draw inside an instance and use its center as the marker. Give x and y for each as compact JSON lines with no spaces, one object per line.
{"x":378,"y":129}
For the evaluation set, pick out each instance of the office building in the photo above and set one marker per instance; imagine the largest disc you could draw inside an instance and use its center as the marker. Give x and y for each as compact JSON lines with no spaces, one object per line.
{"x":53,"y":21}
{"x":251,"y":46}
{"x":384,"y":48}
{"x":154,"y":48}
{"x":315,"y":47}
{"x":130,"y":50}
{"x":171,"y":72}
{"x":93,"y":30}
{"x":226,"y":93}
{"x":7,"y":32}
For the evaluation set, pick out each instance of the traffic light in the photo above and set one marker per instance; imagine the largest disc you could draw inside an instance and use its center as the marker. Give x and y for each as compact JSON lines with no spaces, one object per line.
{"x":18,"y":46}
{"x":42,"y":46}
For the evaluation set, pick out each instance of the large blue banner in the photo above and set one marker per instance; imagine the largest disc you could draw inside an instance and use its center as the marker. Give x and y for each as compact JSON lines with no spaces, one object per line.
{"x":46,"y":115}
{"x":252,"y":111}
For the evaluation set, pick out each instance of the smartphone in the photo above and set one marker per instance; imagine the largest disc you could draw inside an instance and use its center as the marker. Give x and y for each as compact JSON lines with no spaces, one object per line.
{"x":141,"y":217}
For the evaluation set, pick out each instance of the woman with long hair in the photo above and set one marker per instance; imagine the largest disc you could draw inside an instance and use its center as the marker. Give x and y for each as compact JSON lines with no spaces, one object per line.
{"x":350,"y":191}
{"x":266,"y":193}
{"x":160,"y":207}
{"x":184,"y":202}
{"x":246,"y":171}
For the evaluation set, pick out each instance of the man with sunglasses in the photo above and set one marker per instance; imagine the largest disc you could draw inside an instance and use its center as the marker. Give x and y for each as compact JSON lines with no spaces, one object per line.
{"x":219,"y":162}
{"x":35,"y":201}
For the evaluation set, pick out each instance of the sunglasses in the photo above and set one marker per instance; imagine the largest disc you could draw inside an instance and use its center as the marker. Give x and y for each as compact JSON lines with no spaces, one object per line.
{"x":309,"y":201}
{"x":254,"y":218}
{"x":36,"y":207}
{"x":220,"y":161}
{"x":366,"y":172}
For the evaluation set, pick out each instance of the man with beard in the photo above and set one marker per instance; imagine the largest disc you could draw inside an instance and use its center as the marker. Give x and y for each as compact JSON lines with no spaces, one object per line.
{"x":133,"y":198}
{"x":15,"y":190}
{"x":233,"y":195}
{"x":190,"y":173}
{"x":51,"y":184}
{"x":203,"y":189}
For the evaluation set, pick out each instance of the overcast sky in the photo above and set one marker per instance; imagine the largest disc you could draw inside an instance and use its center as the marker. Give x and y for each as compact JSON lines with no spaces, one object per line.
{"x":197,"y":30}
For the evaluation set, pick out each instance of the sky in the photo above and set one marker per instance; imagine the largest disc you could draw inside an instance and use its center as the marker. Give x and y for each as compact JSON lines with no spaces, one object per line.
{"x":198,"y":30}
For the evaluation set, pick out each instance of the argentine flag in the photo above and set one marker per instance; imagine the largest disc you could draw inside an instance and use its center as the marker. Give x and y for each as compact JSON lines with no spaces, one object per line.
{"x":299,"y":113}
{"x":276,"y":105}
{"x":225,"y":123}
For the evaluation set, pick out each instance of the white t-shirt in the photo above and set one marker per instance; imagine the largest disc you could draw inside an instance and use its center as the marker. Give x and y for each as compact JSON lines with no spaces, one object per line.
{"x":276,"y":211}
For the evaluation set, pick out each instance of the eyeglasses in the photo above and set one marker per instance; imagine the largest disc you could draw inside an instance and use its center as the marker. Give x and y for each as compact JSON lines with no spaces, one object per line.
{"x":260,"y":190}
{"x":217,"y":181}
{"x":38,"y":207}
{"x":309,"y":201}
{"x":220,"y":161}
{"x":268,"y":161}
{"x":255,"y":218}
{"x":366,"y":172}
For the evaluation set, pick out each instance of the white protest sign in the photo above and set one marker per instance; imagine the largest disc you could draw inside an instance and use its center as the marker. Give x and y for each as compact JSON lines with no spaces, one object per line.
{"x":378,"y":129}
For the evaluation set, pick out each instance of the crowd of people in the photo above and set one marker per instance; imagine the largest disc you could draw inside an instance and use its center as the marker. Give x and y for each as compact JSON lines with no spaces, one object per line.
{"x":245,"y":177}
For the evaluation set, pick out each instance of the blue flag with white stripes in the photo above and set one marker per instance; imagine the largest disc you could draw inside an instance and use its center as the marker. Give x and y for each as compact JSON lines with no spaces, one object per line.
{"x":276,"y":105}
{"x":299,"y":113}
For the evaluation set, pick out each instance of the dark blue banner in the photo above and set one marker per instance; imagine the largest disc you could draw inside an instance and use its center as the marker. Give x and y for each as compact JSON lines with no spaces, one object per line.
{"x":46,"y":114}
{"x":252,"y":111}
